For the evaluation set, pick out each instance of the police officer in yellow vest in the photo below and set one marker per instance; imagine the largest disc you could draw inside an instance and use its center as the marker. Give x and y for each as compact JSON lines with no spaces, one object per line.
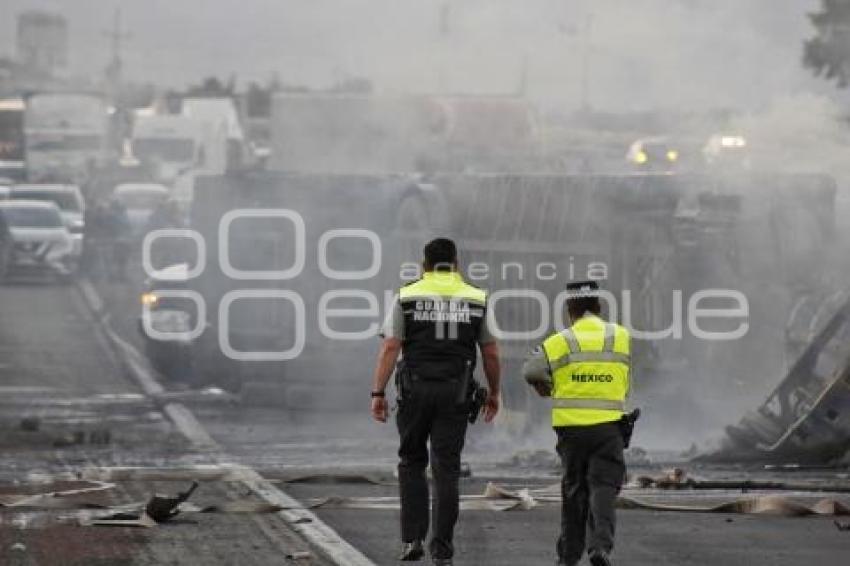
{"x":438,"y":324}
{"x":585,"y":370}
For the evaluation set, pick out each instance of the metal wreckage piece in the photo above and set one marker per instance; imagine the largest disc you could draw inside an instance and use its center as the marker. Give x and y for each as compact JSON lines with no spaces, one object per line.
{"x":806,"y":419}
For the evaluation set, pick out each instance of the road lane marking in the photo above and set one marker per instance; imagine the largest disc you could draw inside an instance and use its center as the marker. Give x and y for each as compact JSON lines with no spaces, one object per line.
{"x":300,"y":520}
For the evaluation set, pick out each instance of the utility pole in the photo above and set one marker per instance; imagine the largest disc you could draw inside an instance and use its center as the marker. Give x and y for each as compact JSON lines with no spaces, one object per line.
{"x":115,"y":67}
{"x":522,"y":85}
{"x":585,"y":62}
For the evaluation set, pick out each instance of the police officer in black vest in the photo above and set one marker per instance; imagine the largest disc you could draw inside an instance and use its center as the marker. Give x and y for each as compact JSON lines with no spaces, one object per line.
{"x":438,"y":324}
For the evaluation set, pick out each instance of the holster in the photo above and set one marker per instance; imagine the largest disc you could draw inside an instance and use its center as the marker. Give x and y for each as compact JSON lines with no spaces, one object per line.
{"x":627,"y":426}
{"x":403,"y":381}
{"x":472,"y":393}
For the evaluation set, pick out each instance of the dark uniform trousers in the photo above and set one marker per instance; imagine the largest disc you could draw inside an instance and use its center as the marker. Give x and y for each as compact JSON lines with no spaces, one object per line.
{"x":431,"y":410}
{"x":593,"y":473}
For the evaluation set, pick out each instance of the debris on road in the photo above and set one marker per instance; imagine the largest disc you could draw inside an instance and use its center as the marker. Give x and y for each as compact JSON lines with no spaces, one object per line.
{"x":30,"y":424}
{"x":523,"y":497}
{"x":122,"y":520}
{"x":56,"y":499}
{"x":677,"y":479}
{"x":765,"y":505}
{"x":162,"y":508}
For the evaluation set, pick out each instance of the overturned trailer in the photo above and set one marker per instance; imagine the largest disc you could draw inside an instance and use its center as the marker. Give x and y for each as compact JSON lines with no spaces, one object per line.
{"x":806,"y":419}
{"x":300,"y":247}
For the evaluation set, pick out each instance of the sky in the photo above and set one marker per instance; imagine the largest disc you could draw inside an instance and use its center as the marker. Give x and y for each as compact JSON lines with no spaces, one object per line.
{"x":639,"y":55}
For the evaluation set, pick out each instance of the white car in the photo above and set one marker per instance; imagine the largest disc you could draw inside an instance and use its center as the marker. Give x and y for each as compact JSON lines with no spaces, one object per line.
{"x":68,"y":198}
{"x":140,"y":200}
{"x":41,"y":242}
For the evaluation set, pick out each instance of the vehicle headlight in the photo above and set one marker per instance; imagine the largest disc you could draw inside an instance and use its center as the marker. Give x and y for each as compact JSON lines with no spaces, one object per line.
{"x":641,"y":157}
{"x":733,"y":141}
{"x":149,"y":299}
{"x":672,"y":155}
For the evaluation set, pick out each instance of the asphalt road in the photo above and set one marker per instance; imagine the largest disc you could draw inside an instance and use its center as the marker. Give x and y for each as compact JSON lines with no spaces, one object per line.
{"x":68,"y":407}
{"x":509,"y":538}
{"x":337,"y":448}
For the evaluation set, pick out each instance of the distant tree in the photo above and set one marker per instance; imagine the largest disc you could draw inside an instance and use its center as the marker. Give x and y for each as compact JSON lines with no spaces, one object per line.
{"x":258,"y":100}
{"x":213,"y":87}
{"x":828,"y":53}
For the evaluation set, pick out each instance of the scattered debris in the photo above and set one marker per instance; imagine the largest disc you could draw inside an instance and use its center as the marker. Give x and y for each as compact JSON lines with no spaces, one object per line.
{"x":672,"y":478}
{"x":56,"y":499}
{"x":79,"y":437}
{"x":303,"y":555}
{"x":162,"y":508}
{"x":843,"y":527}
{"x":30,"y":424}
{"x":766,"y":505}
{"x":523,"y":497}
{"x":122,"y":520}
{"x":677,"y":479}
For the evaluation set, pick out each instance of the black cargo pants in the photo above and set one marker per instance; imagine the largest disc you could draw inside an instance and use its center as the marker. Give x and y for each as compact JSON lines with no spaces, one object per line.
{"x":435,"y":411}
{"x":593,"y":473}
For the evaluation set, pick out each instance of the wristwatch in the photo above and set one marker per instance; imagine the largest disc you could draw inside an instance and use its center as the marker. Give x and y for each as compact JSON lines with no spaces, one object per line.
{"x":375,"y":394}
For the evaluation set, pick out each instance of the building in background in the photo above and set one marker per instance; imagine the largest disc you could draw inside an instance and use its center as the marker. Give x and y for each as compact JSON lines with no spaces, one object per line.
{"x":42,"y":41}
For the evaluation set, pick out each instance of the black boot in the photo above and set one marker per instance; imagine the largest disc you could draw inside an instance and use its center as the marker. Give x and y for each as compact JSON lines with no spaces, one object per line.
{"x":412,"y":551}
{"x":600,"y":558}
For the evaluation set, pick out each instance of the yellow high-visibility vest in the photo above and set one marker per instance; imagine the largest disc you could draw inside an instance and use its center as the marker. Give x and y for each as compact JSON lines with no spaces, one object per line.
{"x":590,"y":372}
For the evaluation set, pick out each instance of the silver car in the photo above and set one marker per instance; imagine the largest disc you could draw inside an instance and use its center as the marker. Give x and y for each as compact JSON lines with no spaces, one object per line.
{"x":68,"y":198}
{"x":41,"y":242}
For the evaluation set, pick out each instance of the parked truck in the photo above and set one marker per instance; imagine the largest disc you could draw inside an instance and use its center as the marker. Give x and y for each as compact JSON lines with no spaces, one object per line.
{"x":66,"y":135}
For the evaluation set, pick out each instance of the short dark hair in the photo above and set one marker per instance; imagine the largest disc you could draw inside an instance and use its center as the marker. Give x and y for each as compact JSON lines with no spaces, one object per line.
{"x":577,"y":307}
{"x":582,"y":297}
{"x":440,"y":255}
